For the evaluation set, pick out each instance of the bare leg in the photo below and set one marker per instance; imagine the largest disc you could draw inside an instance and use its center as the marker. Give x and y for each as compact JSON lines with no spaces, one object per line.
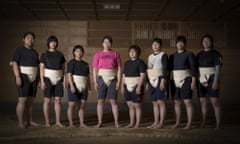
{"x":30,"y":122}
{"x":162,"y":113}
{"x":189,"y":107}
{"x":20,"y":111}
{"x":81,"y":114}
{"x":217,"y":111}
{"x":46,"y":110}
{"x":203,"y":102}
{"x":70,"y":113}
{"x":100,"y":112}
{"x":57,"y":108}
{"x":155,"y":114}
{"x":131,"y":114}
{"x":177,"y":108}
{"x":115,"y":111}
{"x":138,"y":110}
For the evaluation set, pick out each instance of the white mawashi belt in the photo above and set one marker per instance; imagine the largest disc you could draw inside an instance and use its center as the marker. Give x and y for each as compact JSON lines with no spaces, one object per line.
{"x":80,"y":82}
{"x":179,"y":77}
{"x":153,"y":76}
{"x":107,"y":74}
{"x":205,"y":73}
{"x":131,"y":82}
{"x":31,"y":72}
{"x":53,"y":75}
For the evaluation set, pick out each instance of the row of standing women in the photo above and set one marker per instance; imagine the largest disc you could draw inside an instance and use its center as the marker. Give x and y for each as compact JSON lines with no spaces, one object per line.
{"x":179,"y":74}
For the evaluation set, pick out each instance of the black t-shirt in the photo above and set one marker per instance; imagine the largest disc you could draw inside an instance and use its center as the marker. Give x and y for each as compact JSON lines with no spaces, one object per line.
{"x":26,"y":57}
{"x":77,"y":67}
{"x":182,"y":61}
{"x":53,"y":60}
{"x":133,"y":68}
{"x":209,"y":58}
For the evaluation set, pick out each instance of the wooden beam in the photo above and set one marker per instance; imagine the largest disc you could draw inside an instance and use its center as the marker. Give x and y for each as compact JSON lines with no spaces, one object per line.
{"x":29,"y":10}
{"x":196,"y":10}
{"x":95,"y":9}
{"x":62,"y":9}
{"x":164,"y":6}
{"x":130,"y":4}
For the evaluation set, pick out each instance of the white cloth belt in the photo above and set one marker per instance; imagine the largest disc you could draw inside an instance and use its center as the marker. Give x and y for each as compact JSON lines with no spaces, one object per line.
{"x":205,"y":73}
{"x":131,"y":82}
{"x":80,"y":82}
{"x":153,"y":76}
{"x":53,"y":75}
{"x":107,"y":74}
{"x":179,"y":77}
{"x":31,"y":72}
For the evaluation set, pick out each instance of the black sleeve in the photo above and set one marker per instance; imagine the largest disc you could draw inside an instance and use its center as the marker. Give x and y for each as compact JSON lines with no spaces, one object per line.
{"x":70,"y":67}
{"x":192,"y":62}
{"x":165,"y":65}
{"x":63,"y":59}
{"x":142,"y":67}
{"x":88,"y":71}
{"x":217,"y":58}
{"x":43,"y":58}
{"x":16,"y":56}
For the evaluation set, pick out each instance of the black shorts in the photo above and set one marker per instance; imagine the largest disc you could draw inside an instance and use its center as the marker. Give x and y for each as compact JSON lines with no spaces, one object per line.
{"x":205,"y":92}
{"x":132,"y":96}
{"x":27,"y":89}
{"x":53,"y":90}
{"x":185,"y":92}
{"x":105,"y":91}
{"x":77,"y":96}
{"x":156,"y":93}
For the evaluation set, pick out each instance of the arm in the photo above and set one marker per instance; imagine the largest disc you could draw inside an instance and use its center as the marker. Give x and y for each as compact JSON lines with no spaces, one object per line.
{"x":140,"y":83}
{"x":118,"y":77}
{"x":70,"y":82}
{"x":17,"y":73}
{"x":122,"y":84}
{"x":42,"y":67}
{"x":95,"y":78}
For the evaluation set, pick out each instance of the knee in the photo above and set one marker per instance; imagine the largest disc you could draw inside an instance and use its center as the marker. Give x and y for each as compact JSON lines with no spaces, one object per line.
{"x":57,"y":100}
{"x":100,"y":102}
{"x":215,"y":104}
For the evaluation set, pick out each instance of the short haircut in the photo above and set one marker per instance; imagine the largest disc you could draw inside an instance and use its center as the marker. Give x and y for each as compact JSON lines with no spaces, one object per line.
{"x":136,"y":48}
{"x":157,"y":40}
{"x":182,"y":39}
{"x":210,"y":37}
{"x":52,"y":38}
{"x":29,"y":33}
{"x":108,"y":37}
{"x":77,"y":47}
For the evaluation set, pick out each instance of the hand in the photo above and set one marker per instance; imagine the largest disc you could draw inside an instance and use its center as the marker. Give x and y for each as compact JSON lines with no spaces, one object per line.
{"x":72,"y":88}
{"x":96,"y":86}
{"x":18,"y":81}
{"x":64,"y":85}
{"x":147,"y":87}
{"x":162,"y":85}
{"x":214,"y":85}
{"x":89,"y":92}
{"x":138,"y":90}
{"x":117,"y":85}
{"x":43,"y":86}
{"x":193,"y":86}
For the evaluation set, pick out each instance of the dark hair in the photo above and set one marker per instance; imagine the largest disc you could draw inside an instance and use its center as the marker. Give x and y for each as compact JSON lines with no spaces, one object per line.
{"x":52,"y":38}
{"x":108,"y":37}
{"x":136,"y":48}
{"x":77,"y":47}
{"x":210,"y":37}
{"x":182,"y":39}
{"x":157,"y":40}
{"x":29,"y":33}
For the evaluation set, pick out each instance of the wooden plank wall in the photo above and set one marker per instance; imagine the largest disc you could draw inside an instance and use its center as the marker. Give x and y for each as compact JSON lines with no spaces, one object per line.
{"x":124,"y":33}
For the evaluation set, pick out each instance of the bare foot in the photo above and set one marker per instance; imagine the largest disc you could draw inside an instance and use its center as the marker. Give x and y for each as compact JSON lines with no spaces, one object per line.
{"x":187,"y":127}
{"x":160,"y":126}
{"x":175,"y":126}
{"x":83,"y":126}
{"x":59,"y":125}
{"x":98,"y":125}
{"x":21,"y":126}
{"x":152,"y":126}
{"x":136,"y":126}
{"x":71,"y":126}
{"x":33,"y":124}
{"x":129,"y":126}
{"x":117,"y":126}
{"x":47,"y":125}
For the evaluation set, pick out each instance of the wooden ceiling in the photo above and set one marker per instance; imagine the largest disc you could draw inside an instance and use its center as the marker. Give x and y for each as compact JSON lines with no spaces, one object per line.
{"x":130,"y":10}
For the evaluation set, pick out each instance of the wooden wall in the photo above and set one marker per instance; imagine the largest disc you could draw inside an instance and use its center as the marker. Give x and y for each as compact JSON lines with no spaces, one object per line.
{"x":124,"y":33}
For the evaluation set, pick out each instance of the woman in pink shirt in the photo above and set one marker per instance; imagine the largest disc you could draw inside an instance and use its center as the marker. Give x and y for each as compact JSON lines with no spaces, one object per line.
{"x":107,"y":76}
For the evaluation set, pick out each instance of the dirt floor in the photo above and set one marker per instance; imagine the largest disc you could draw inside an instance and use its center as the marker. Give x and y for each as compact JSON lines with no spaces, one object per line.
{"x":9,"y":133}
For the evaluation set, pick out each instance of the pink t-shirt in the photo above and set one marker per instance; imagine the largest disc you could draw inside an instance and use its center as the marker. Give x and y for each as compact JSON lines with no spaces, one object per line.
{"x":106,"y":60}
